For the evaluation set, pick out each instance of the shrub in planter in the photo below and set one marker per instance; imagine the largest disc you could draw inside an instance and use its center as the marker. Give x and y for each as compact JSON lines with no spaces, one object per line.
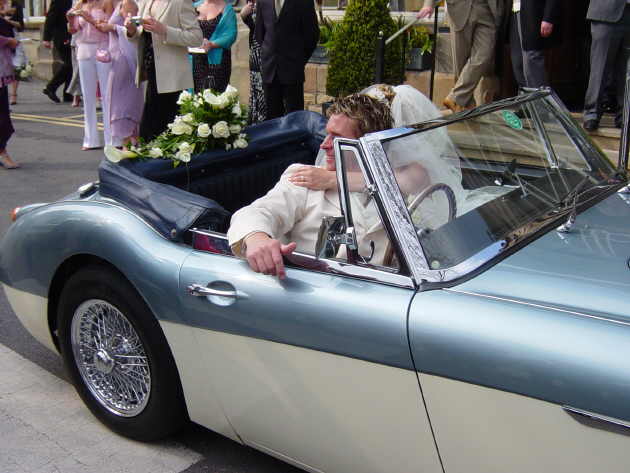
{"x":419,"y":48}
{"x":352,"y":50}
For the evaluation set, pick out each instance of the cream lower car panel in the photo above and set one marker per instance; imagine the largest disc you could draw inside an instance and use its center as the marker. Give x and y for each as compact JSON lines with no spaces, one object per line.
{"x":201,"y":398}
{"x":32,"y":310}
{"x":320,"y":411}
{"x":484,"y":430}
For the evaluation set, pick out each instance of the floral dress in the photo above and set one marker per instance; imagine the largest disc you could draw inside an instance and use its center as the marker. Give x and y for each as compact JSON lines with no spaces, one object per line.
{"x":211,"y":76}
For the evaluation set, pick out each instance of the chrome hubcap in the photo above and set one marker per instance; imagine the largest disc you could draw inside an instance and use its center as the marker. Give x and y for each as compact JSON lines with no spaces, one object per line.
{"x":110,"y":357}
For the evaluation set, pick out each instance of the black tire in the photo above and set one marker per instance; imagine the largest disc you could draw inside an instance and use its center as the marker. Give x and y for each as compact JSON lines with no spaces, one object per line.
{"x":121,"y":364}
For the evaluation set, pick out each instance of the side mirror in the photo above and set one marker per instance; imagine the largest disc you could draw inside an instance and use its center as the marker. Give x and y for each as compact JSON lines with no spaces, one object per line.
{"x":329,"y":238}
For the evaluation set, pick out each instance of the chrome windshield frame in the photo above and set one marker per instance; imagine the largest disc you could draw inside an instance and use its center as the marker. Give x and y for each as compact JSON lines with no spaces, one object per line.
{"x":402,"y":227}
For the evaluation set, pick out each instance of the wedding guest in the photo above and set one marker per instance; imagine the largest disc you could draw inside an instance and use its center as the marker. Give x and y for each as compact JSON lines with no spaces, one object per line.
{"x":257,"y":106}
{"x":532,"y":26}
{"x":94,"y":66}
{"x":15,"y":16}
{"x":74,"y":88}
{"x":474,"y":27}
{"x":218,"y":24}
{"x":56,"y":35}
{"x":610,"y":34}
{"x":287,"y":32}
{"x":7,"y":45}
{"x":123,"y":96}
{"x":166,"y":29}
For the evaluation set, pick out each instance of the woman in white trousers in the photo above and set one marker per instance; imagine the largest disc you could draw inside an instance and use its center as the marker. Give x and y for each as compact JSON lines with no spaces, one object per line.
{"x":92,"y":71}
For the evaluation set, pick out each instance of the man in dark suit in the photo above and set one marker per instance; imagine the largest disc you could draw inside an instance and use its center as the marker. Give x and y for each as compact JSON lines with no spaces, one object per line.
{"x":287,"y":31}
{"x":56,"y":35}
{"x":610,"y":34}
{"x":533,"y":28}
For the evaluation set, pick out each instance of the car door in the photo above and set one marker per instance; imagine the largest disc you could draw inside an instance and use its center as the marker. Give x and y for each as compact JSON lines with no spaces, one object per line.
{"x":314,"y":369}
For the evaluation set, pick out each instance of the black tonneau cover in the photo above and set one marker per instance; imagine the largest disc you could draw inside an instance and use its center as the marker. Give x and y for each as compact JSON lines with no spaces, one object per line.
{"x":156,"y":191}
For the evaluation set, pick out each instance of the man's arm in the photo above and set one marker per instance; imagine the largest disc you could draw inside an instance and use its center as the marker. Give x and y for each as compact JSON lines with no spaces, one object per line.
{"x":550,"y":18}
{"x":427,"y":9}
{"x":190,"y":33}
{"x":55,"y":17}
{"x":310,"y":28}
{"x":259,"y":31}
{"x":273,"y":215}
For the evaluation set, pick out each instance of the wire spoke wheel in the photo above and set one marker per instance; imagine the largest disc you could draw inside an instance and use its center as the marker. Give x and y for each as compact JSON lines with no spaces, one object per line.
{"x":110,"y":357}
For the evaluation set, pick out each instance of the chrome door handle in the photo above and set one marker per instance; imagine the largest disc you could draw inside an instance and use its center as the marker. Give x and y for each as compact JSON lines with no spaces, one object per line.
{"x":203,"y":291}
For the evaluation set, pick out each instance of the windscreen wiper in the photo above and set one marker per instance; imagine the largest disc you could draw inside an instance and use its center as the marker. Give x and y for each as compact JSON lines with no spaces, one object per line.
{"x":571,"y":199}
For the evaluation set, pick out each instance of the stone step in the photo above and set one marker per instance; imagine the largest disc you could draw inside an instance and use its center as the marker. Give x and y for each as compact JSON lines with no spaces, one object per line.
{"x":607,"y":136}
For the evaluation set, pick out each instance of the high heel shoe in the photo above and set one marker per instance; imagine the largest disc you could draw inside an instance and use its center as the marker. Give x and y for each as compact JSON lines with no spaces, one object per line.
{"x":6,"y":162}
{"x":13,"y":99}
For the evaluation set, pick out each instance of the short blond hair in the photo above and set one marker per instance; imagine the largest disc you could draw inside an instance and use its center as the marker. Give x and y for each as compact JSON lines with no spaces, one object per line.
{"x":370,"y":114}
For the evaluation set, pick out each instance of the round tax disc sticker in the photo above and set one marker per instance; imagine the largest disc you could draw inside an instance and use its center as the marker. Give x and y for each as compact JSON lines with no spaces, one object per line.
{"x":512,"y":120}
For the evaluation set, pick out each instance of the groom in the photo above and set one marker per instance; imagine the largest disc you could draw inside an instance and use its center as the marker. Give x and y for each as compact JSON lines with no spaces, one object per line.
{"x":293,"y":213}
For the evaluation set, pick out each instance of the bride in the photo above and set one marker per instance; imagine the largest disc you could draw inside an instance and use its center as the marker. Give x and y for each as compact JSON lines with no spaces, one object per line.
{"x":419,"y":160}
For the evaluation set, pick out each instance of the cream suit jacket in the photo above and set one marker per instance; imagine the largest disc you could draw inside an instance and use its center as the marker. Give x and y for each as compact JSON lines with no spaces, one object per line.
{"x":459,"y":11}
{"x":293,"y":213}
{"x":172,"y":67}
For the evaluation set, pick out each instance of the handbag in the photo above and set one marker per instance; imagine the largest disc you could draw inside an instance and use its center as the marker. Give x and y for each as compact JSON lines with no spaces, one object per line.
{"x":102,"y":55}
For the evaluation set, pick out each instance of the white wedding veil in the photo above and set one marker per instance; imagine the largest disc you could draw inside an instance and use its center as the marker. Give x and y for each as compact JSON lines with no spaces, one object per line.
{"x":432,"y":149}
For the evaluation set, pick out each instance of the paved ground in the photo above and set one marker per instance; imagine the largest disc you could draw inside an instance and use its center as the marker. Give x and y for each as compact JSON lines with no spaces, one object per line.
{"x":44,"y":426}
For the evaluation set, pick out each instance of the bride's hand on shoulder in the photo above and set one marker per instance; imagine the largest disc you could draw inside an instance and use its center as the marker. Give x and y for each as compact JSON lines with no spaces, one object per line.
{"x":314,"y":178}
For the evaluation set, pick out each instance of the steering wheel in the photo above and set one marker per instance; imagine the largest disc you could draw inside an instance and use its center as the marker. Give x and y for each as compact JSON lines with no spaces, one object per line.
{"x":415,"y":203}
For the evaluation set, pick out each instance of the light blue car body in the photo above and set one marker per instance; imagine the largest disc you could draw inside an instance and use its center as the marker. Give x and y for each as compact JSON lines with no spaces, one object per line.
{"x":540,"y":323}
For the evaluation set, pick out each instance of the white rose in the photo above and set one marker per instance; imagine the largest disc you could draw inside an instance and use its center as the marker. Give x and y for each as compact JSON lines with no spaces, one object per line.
{"x":183,"y":97}
{"x":185,"y":147}
{"x":223,"y":100}
{"x":179,"y":128}
{"x":210,"y":98}
{"x":240,"y":143}
{"x":221,"y":130}
{"x":231,"y":91}
{"x":182,"y":156}
{"x":236,"y":110}
{"x":203,"y":130}
{"x":188,"y":118}
{"x":156,"y":153}
{"x":234,"y":129}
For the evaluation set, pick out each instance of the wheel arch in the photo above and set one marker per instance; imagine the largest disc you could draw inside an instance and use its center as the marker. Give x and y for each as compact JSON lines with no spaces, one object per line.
{"x":63,"y":272}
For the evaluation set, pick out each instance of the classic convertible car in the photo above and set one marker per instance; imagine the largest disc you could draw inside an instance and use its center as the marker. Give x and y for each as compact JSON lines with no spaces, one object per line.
{"x":491,"y":335}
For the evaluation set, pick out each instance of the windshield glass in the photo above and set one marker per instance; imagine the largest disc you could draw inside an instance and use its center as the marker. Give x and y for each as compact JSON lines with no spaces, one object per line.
{"x":471,"y":183}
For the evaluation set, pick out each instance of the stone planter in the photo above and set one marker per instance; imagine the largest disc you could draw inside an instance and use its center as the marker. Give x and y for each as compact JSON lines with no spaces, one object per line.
{"x":419,"y":62}
{"x":319,"y":56}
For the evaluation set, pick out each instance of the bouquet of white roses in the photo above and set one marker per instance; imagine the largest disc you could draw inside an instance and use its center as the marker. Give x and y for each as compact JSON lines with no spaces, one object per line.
{"x":206,"y":121}
{"x":24,"y":72}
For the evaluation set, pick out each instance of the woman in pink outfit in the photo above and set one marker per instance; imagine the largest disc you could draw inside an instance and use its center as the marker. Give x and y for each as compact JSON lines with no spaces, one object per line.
{"x":125,"y":100}
{"x":83,"y":20}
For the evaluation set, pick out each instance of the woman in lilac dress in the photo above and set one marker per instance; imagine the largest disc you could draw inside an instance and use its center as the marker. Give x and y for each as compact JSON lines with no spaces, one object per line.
{"x":125,"y":99}
{"x":7,"y":45}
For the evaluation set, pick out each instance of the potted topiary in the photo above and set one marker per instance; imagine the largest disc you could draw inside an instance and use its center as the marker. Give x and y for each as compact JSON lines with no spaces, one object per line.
{"x":351,"y":65}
